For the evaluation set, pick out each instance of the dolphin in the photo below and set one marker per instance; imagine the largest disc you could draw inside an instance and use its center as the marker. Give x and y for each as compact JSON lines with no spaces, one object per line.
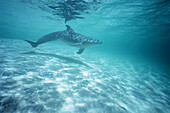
{"x":68,"y":37}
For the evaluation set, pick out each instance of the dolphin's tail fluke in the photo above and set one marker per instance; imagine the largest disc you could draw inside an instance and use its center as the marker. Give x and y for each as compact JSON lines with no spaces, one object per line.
{"x":33,"y":44}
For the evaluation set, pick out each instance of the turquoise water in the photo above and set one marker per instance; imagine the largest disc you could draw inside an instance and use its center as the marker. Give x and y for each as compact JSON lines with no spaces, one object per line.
{"x":128,"y":73}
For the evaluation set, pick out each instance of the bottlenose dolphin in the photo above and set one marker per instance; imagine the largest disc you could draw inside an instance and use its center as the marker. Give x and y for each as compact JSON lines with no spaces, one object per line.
{"x":68,"y":37}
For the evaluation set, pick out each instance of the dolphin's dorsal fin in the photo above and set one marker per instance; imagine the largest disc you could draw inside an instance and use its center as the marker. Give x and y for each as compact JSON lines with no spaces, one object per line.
{"x":69,"y":28}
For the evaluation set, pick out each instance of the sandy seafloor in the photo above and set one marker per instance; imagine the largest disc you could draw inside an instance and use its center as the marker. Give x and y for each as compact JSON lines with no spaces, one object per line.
{"x":54,"y":79}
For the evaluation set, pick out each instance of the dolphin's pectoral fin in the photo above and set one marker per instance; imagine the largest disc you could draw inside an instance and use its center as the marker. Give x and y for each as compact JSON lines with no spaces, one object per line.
{"x":80,"y":51}
{"x":76,"y":44}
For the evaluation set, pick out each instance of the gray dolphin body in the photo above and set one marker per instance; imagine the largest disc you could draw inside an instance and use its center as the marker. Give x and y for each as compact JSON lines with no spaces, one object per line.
{"x":68,"y":37}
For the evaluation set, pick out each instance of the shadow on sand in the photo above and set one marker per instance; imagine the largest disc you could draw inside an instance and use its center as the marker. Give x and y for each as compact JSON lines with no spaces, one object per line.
{"x":68,"y":59}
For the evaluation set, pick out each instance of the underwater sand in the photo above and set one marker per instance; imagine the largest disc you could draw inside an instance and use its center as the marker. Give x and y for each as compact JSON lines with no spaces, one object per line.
{"x":54,"y":79}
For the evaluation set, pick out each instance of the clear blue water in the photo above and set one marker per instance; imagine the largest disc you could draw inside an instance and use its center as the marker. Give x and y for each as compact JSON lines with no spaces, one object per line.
{"x":128,"y":73}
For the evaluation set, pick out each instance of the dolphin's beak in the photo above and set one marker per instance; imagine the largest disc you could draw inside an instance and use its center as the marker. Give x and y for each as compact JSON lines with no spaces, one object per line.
{"x":100,"y":42}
